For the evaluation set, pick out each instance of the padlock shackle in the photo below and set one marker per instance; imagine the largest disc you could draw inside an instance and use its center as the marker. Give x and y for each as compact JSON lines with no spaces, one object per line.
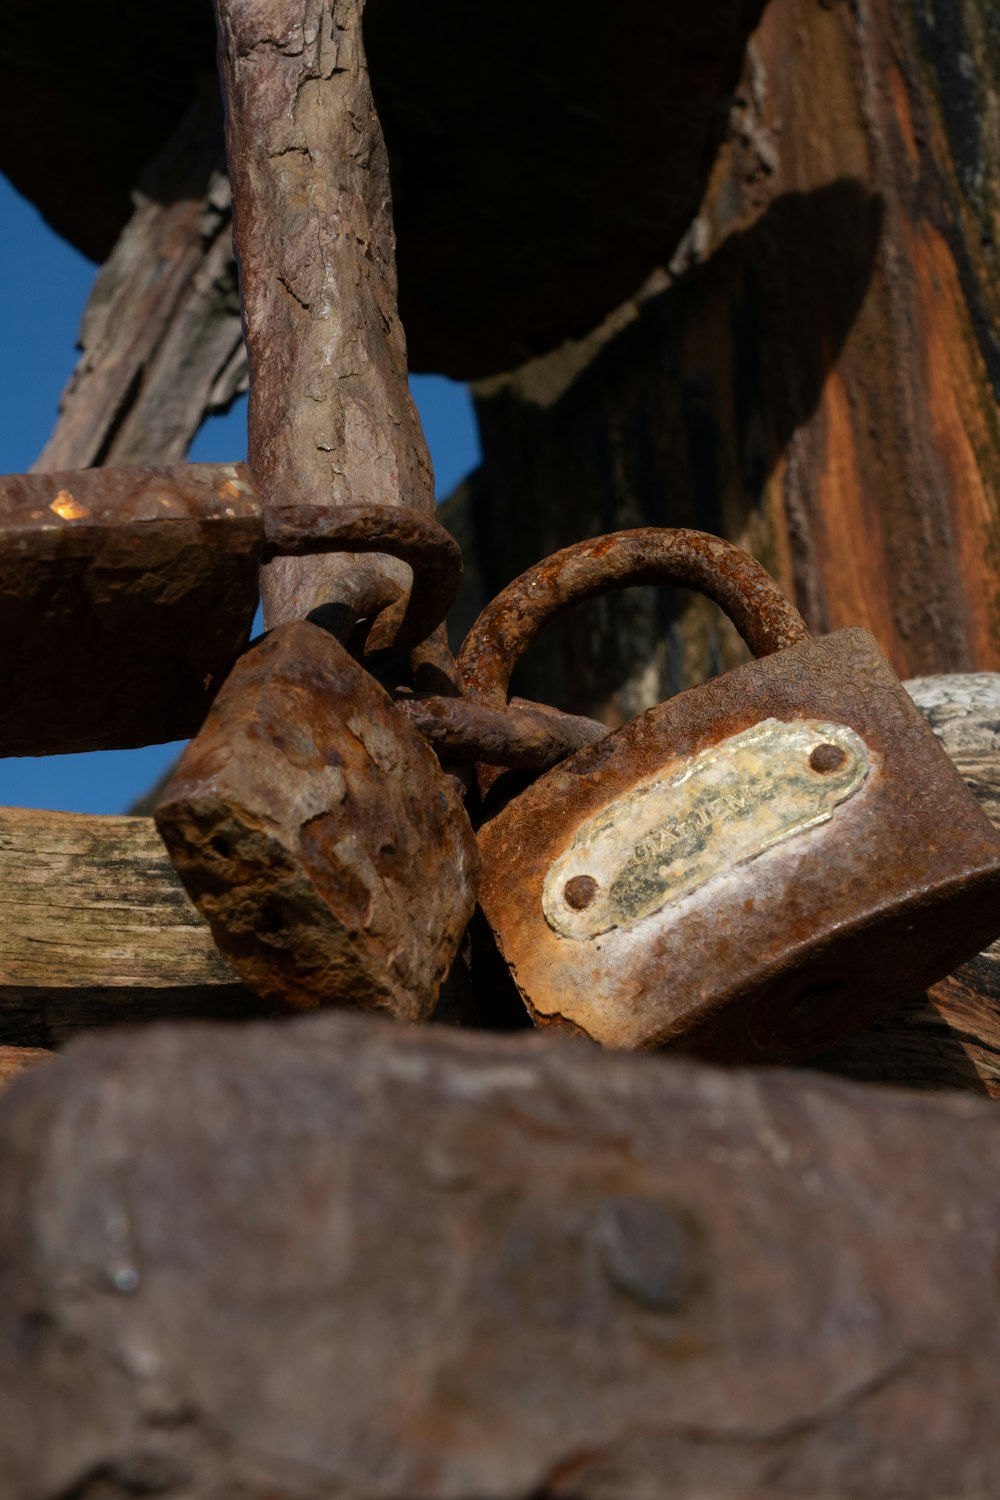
{"x":419,"y":540}
{"x":741,"y":587}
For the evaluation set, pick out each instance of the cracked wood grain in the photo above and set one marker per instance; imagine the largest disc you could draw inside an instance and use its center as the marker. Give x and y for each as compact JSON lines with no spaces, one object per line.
{"x":331,"y":417}
{"x":17,"y":1060}
{"x":950,"y":1036}
{"x":96,"y":929}
{"x":160,"y":337}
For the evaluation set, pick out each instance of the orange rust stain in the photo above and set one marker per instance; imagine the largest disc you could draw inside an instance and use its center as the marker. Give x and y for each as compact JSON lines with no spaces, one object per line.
{"x":809,"y":58}
{"x":904,"y":118}
{"x":954,"y":382}
{"x":68,"y":508}
{"x":232,"y":489}
{"x":855,"y":572}
{"x":780,"y":560}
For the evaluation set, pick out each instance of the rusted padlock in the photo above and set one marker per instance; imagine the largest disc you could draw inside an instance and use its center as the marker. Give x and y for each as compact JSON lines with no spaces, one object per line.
{"x":312,"y":826}
{"x":752,"y":868}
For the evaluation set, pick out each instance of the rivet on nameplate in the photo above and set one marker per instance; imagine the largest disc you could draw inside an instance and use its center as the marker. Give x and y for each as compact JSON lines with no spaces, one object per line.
{"x":666,"y":836}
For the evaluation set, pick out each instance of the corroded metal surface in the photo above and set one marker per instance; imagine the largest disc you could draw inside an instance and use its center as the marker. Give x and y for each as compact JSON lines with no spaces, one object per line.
{"x":522,"y":736}
{"x":331,"y":418}
{"x":710,"y":812}
{"x":335,"y":1258}
{"x":125,"y":597}
{"x":434,"y":558}
{"x":507,"y":172}
{"x":695,"y":559}
{"x":316,"y":834}
{"x":811,"y":938}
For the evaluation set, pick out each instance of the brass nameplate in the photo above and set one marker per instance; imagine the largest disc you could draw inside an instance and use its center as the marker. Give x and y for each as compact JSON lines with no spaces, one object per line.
{"x":666,"y":836}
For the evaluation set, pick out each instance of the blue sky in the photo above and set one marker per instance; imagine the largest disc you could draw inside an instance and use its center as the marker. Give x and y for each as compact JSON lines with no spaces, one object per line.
{"x":44,"y":284}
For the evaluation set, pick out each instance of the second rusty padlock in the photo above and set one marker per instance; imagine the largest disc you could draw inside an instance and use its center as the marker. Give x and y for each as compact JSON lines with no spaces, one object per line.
{"x":311,"y":825}
{"x":754,"y":867}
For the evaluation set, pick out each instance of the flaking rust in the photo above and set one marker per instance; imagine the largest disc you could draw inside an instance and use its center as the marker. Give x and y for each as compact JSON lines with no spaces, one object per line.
{"x":125,"y":597}
{"x":813,"y":937}
{"x":316,"y":834}
{"x":651,"y":891}
{"x":712,"y":812}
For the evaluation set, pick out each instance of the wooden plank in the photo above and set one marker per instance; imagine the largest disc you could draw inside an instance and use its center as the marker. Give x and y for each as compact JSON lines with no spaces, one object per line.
{"x":950,"y":1037}
{"x":95,"y":928}
{"x":17,"y":1060}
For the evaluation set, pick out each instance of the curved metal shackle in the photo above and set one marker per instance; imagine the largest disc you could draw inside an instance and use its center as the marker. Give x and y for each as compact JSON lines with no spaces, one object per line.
{"x":419,"y":540}
{"x":747,"y":593}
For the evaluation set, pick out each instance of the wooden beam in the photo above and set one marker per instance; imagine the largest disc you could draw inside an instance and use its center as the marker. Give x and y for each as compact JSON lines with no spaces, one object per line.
{"x":950,"y":1037}
{"x":97,"y":930}
{"x":160,"y":339}
{"x":17,"y":1060}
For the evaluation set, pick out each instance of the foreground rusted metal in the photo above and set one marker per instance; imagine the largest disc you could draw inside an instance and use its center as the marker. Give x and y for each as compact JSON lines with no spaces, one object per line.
{"x":126,"y":595}
{"x":751,"y":870}
{"x":317,"y":835}
{"x":396,"y":1262}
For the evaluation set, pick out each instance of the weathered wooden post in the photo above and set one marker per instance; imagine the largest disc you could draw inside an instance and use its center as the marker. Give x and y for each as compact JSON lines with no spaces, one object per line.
{"x":334,"y":1257}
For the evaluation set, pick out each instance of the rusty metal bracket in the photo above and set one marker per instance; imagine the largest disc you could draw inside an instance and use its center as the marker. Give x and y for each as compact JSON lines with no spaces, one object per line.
{"x":521,"y":736}
{"x":433,"y":555}
{"x":126,"y":595}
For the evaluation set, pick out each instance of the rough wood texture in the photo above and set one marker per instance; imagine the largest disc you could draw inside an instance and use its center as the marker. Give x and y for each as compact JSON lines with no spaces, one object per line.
{"x":950,"y":1037}
{"x":161,"y":337}
{"x":97,"y":930}
{"x":884,"y":507}
{"x":17,"y":1060}
{"x":815,"y":375}
{"x":318,"y":835}
{"x":331,"y":417}
{"x":333,"y":1258}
